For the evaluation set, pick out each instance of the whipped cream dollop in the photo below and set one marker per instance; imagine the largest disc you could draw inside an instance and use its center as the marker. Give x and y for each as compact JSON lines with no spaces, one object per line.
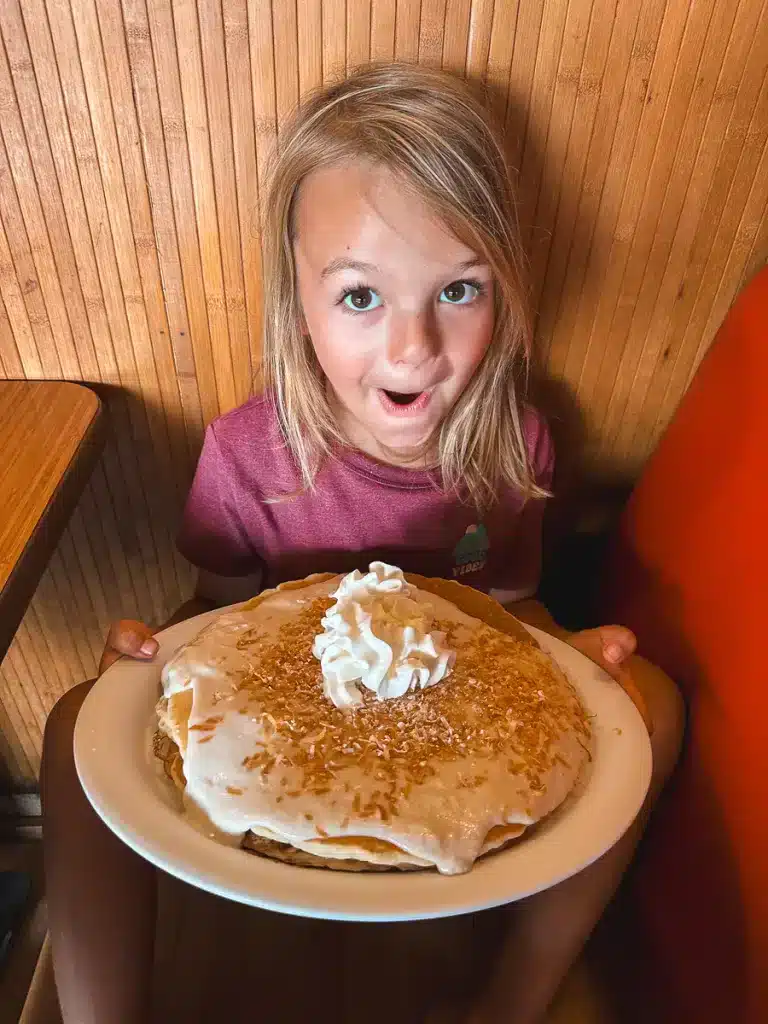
{"x":379,"y":634}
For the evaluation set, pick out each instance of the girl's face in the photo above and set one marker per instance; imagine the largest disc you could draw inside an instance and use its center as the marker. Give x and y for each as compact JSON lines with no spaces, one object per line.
{"x":399,"y":311}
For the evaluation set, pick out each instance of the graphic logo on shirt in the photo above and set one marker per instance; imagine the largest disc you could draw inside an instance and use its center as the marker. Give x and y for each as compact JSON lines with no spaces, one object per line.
{"x":471,"y":553}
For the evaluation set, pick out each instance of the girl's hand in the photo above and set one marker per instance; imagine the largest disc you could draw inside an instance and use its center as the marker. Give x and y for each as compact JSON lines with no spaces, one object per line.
{"x":131,"y":638}
{"x":610,"y":647}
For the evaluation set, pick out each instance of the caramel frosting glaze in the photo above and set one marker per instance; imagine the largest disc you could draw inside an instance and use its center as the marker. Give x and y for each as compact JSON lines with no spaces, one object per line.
{"x":434,"y":777}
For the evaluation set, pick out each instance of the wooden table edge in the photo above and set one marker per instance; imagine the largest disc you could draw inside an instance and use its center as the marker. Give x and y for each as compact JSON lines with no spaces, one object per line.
{"x":23,"y":579}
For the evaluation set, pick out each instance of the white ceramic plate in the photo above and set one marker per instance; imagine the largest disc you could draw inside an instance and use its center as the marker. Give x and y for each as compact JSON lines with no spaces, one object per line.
{"x":128,"y":789}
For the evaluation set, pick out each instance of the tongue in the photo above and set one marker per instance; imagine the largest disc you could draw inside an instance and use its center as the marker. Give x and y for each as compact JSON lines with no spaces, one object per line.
{"x":403,"y":399}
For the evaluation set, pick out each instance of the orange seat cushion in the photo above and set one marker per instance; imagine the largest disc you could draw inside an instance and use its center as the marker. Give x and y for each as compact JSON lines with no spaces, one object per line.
{"x":689,"y":573}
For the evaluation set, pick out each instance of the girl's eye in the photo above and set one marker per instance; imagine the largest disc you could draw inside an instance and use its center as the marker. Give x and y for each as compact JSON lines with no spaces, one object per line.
{"x":460,"y":293}
{"x":361,"y":300}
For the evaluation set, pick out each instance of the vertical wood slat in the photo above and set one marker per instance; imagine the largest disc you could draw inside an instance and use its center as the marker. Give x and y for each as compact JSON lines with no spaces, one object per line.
{"x":407,"y":30}
{"x":359,"y":34}
{"x":134,"y":141}
{"x":456,"y":37}
{"x":383,"y":25}
{"x":334,"y":22}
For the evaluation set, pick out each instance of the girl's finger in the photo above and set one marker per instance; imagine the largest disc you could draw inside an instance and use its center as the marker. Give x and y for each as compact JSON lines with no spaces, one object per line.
{"x":128,"y":636}
{"x":618,"y":643}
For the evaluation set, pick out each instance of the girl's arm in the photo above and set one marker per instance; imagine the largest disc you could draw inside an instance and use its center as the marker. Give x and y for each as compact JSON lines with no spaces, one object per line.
{"x":535,"y":614}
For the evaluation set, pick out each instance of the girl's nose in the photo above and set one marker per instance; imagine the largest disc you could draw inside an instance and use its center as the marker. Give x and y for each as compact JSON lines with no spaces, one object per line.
{"x":412,"y":339}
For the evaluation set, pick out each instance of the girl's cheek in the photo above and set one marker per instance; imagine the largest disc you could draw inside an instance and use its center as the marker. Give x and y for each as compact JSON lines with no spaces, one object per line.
{"x":468,"y":338}
{"x":341,"y":357}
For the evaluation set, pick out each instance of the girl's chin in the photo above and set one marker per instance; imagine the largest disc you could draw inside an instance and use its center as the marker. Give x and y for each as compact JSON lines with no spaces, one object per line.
{"x":391,"y":439}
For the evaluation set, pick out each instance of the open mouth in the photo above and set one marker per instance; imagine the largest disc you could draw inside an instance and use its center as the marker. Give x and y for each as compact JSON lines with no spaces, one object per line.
{"x":403,"y":398}
{"x":405,"y":403}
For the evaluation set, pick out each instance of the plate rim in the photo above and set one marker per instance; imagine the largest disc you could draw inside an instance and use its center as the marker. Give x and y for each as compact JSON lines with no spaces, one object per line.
{"x":358,"y":883}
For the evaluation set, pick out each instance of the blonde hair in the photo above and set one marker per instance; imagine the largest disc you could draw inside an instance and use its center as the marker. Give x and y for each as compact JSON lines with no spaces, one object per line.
{"x":429,"y":130}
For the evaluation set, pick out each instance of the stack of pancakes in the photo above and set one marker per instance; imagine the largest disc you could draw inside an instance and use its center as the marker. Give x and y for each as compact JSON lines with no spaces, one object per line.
{"x":432,"y":779}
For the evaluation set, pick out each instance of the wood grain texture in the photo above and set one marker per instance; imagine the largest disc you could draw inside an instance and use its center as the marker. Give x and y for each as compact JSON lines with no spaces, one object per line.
{"x":134,"y":139}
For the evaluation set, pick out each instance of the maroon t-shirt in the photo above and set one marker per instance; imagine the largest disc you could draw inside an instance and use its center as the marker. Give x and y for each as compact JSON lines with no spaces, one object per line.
{"x":360,"y":510}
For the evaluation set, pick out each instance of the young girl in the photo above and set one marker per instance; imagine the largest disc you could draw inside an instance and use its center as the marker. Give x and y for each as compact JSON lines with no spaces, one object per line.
{"x":394,"y":426}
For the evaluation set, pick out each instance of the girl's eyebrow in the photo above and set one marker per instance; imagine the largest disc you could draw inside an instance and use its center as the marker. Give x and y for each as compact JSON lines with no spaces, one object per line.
{"x":342,"y":263}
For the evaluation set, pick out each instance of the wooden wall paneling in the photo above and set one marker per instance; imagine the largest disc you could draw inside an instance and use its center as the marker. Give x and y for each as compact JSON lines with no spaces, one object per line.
{"x":358,"y":33}
{"x":196,"y":126}
{"x":383,"y":22}
{"x":10,"y":360}
{"x":71,"y":589}
{"x":27,"y":701}
{"x":213,"y":375}
{"x":107,"y":21}
{"x":77,"y":545}
{"x":117,"y":145}
{"x":15,"y":309}
{"x":24,"y":744}
{"x":74,"y":206}
{"x":597,"y":120}
{"x":284,"y":40}
{"x":79,"y":586}
{"x":664,"y":243}
{"x":668,"y":172}
{"x":432,"y":32}
{"x":573,"y":107}
{"x":675,"y":48}
{"x":756,"y":258}
{"x":246,"y":168}
{"x":746,"y":230}
{"x":76,"y":122}
{"x":739,"y":243}
{"x":334,"y":39}
{"x":51,"y":677}
{"x":569,"y":341}
{"x":52,"y":129}
{"x":500,"y":53}
{"x":223,"y":160}
{"x":456,"y":36}
{"x":310,"y":44}
{"x":50,"y":622}
{"x":26,"y":310}
{"x":479,"y":41}
{"x":263,"y":87}
{"x":44,"y":683}
{"x":16,"y":769}
{"x":37,"y":188}
{"x":131,"y":434}
{"x":407,"y":30}
{"x":146,"y":95}
{"x":38,"y":702}
{"x":521,"y":73}
{"x":30,"y":240}
{"x":539,"y":118}
{"x":135,"y":137}
{"x":117,"y":560}
{"x":737,"y":103}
